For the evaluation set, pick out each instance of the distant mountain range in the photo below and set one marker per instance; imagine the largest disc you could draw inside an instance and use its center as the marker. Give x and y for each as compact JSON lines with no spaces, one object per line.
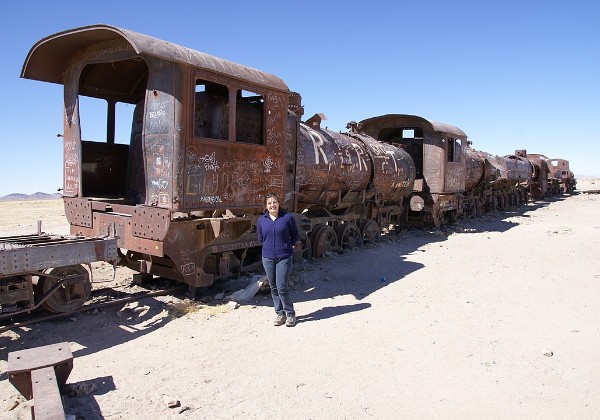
{"x":34,"y":196}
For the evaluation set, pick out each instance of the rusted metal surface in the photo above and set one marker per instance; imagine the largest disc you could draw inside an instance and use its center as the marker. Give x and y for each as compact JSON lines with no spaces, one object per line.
{"x":39,"y":373}
{"x":210,"y":138}
{"x":437,"y":151}
{"x":516,"y":169}
{"x":428,"y":148}
{"x":541,"y":182}
{"x":21,"y":363}
{"x":559,"y":170}
{"x":30,"y":253}
{"x":482,"y":168}
{"x":320,"y":151}
{"x":55,"y":262}
{"x":46,"y":59}
{"x":162,"y":189}
{"x":46,"y":395}
{"x":180,"y":174}
{"x":394,"y":170}
{"x":337,"y":170}
{"x":495,"y":182}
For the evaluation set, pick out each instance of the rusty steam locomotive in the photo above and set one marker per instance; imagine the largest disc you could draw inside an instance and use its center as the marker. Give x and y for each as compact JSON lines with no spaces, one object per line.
{"x":181,"y":191}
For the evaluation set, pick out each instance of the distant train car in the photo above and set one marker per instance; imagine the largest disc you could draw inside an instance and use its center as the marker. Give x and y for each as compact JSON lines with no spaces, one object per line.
{"x":437,"y":151}
{"x":540,"y":185}
{"x":208,"y":139}
{"x":559,"y":170}
{"x":505,"y":182}
{"x":453,"y":179}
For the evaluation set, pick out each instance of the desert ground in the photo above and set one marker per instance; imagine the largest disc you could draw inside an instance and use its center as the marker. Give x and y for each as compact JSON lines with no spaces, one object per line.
{"x":491,"y":318}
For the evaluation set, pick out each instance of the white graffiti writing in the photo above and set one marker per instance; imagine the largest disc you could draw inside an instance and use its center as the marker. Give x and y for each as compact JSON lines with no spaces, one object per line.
{"x":160,"y":183}
{"x":210,"y":162}
{"x":157,"y":114}
{"x":268,"y":164}
{"x":318,"y":141}
{"x":211,"y":199}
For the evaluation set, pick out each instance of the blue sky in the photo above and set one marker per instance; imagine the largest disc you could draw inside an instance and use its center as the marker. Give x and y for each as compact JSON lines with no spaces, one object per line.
{"x":510,"y":74}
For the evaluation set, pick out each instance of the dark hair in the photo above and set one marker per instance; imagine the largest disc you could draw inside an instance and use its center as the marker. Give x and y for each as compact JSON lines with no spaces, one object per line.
{"x":271,"y":195}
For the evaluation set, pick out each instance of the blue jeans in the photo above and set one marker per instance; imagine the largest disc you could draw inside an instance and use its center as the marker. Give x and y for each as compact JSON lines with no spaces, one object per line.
{"x":278,"y":272}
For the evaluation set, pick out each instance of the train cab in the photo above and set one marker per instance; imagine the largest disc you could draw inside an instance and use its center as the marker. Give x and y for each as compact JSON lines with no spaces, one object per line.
{"x":561,"y":172}
{"x":437,"y":150}
{"x":173,"y":147}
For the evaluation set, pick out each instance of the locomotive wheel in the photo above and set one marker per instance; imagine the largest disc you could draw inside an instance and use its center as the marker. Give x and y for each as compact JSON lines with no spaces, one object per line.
{"x":349,"y":235}
{"x":323,"y":239}
{"x":71,"y":295}
{"x":370,"y":231}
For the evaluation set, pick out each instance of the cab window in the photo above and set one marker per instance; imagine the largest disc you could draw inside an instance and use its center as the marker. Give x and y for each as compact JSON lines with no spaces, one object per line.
{"x":249,"y":117}
{"x":454,"y":150}
{"x":211,"y":110}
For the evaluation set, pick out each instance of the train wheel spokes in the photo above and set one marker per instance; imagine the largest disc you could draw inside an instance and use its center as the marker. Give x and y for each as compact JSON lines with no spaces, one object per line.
{"x":71,"y":294}
{"x":323,"y":239}
{"x":349,"y":235}
{"x":370,"y":231}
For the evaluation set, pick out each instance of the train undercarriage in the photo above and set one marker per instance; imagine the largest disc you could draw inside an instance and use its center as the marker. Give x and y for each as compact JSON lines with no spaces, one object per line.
{"x":49,"y":271}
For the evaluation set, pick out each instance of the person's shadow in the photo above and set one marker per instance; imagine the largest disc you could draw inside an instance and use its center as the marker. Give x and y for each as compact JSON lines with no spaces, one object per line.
{"x":331,"y":311}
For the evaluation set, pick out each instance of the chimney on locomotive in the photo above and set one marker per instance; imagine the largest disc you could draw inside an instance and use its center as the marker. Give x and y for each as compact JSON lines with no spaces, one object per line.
{"x":521,"y":153}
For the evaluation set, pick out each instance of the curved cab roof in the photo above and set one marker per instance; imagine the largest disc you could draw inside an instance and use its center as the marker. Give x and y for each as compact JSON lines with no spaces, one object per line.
{"x":434,"y":125}
{"x":47,"y":58}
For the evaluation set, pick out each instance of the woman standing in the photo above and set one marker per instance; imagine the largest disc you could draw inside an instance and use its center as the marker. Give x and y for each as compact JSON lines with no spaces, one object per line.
{"x":278,"y":233}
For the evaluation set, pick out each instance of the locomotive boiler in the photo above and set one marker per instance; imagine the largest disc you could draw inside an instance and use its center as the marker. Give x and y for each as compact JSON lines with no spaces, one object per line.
{"x":504,"y":183}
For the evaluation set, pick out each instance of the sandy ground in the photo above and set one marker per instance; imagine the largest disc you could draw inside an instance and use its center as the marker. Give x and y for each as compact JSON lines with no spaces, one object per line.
{"x":493,"y":318}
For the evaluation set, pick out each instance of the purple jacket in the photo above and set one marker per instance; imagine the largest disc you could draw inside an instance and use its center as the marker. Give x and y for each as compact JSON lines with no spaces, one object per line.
{"x":277,"y":236}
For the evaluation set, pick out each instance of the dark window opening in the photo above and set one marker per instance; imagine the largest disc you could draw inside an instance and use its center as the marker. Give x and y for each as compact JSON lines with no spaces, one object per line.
{"x":408,"y":138}
{"x":454,"y":150}
{"x":211,"y":110}
{"x":249,"y":119}
{"x":395,"y":135}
